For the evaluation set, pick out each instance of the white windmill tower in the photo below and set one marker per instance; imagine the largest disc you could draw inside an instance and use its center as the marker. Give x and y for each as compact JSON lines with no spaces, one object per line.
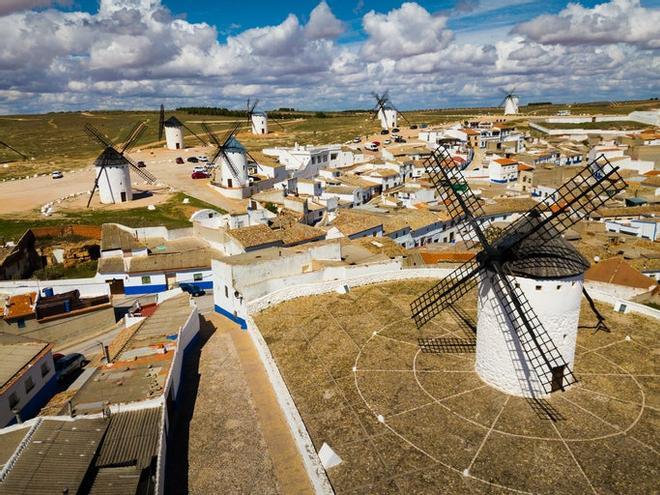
{"x":113,"y":167}
{"x":510,"y":102}
{"x":231,"y":161}
{"x":530,"y":280}
{"x":257,"y":121}
{"x":387,"y":113}
{"x":173,"y":128}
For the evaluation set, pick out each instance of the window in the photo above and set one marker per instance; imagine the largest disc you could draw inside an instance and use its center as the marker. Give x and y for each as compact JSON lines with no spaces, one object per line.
{"x":21,"y":323}
{"x":226,"y":292}
{"x":197,"y":277}
{"x":45,"y":369}
{"x":13,"y":400}
{"x":146,"y":280}
{"x":538,"y":287}
{"x":29,"y":384}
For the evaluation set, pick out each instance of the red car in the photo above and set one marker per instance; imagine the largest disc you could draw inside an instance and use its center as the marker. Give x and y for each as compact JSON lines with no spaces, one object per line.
{"x":200,"y":175}
{"x":377,"y":143}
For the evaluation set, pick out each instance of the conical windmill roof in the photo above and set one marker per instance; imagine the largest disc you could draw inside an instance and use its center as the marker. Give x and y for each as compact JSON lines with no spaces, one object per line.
{"x":537,"y":257}
{"x":172,"y":122}
{"x":234,"y":145}
{"x":110,"y":157}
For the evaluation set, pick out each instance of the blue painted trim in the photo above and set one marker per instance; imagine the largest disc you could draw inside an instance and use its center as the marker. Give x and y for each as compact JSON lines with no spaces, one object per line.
{"x":34,"y":405}
{"x":498,"y":181}
{"x":232,"y":317}
{"x":144,"y":289}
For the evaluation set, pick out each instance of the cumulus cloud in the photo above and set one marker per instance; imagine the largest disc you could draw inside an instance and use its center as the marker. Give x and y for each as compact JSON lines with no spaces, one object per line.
{"x":9,"y":6}
{"x":403,"y":32}
{"x":618,"y":21}
{"x":323,"y":24}
{"x":136,"y":53}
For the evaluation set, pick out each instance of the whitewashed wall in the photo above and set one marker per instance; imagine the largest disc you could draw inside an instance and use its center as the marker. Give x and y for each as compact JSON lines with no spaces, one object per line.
{"x":88,"y":287}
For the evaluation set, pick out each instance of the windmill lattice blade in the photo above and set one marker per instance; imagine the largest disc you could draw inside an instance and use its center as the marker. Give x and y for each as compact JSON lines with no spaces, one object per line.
{"x":576,"y":199}
{"x":538,"y":346}
{"x":448,"y":291}
{"x":98,"y":136}
{"x":212,"y":137}
{"x":204,"y":143}
{"x":135,"y":134}
{"x":455,"y":193}
{"x":230,"y":165}
{"x":161,"y":122}
{"x":230,"y":134}
{"x":13,"y":149}
{"x":96,"y":185}
{"x":147,"y":176}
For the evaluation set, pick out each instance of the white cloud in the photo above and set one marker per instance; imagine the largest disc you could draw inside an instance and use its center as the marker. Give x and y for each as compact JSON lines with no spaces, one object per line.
{"x":323,"y":24}
{"x":403,"y":32}
{"x":9,"y":6}
{"x":136,"y":53}
{"x":618,"y":21}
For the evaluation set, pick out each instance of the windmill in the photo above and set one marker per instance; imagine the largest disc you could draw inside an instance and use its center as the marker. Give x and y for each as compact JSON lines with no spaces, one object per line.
{"x":5,"y":145}
{"x":232,"y":157}
{"x":510,"y":102}
{"x":529,"y":278}
{"x":386,"y":111}
{"x":173,"y":130}
{"x":258,"y":121}
{"x":114,"y":166}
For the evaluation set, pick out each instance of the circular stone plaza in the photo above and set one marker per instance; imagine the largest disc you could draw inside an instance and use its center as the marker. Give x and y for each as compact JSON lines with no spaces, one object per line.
{"x":405,"y":411}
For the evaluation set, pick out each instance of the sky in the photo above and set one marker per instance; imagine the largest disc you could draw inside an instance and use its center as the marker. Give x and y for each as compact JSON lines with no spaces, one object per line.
{"x":67,"y":55}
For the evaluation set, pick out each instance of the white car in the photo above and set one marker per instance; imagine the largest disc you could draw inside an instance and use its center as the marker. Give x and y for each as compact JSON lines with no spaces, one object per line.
{"x":198,"y":168}
{"x":387,"y":141}
{"x":202,"y":158}
{"x":57,"y":174}
{"x":371,"y":147}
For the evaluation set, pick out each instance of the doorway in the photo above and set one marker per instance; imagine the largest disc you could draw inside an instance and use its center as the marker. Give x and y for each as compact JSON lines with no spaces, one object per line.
{"x":123,"y":197}
{"x":116,"y":286}
{"x":228,"y":182}
{"x":557,"y":378}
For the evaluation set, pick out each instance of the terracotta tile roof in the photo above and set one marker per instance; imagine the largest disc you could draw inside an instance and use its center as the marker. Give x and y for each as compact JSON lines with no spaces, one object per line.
{"x":254,"y":235}
{"x":617,"y":271}
{"x":471,"y":132}
{"x":350,"y":222}
{"x":298,"y":233}
{"x":115,"y":236}
{"x":505,"y":161}
{"x":523,"y":167}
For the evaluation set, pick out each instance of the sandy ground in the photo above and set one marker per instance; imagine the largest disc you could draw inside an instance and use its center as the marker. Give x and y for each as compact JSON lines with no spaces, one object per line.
{"x":408,"y":420}
{"x":234,"y":439}
{"x":22,"y":196}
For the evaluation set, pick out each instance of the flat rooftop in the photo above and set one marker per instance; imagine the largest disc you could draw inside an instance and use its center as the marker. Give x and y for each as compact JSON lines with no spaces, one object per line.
{"x":16,"y":354}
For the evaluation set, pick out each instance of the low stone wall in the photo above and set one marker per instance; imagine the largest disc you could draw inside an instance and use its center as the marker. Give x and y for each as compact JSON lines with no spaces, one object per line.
{"x":631,"y":306}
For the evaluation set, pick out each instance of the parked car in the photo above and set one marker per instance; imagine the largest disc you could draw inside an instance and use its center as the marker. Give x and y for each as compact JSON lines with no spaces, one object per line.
{"x":414,"y":126}
{"x":387,"y":141}
{"x":371,"y":147}
{"x":377,"y":143}
{"x":179,"y":160}
{"x":202,"y":158}
{"x":384,"y":131}
{"x":192,"y":289}
{"x":192,"y":159}
{"x":399,"y":139}
{"x":199,"y":168}
{"x":423,"y":126}
{"x":57,"y":174}
{"x":356,"y":139}
{"x":395,"y":130}
{"x":141,"y":164}
{"x":200,"y":174}
{"x":69,"y":364}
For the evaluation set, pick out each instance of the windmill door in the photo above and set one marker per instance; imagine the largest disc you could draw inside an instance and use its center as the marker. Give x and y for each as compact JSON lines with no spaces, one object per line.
{"x":557,"y":378}
{"x":123,"y":197}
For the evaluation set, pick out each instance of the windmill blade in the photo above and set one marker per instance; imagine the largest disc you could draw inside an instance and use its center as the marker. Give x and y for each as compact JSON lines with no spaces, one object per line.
{"x":455,"y":192}
{"x":204,"y":143}
{"x":575,"y":200}
{"x":448,"y":291}
{"x":279,"y":125}
{"x":14,"y":150}
{"x":230,"y":165}
{"x":212,"y":137}
{"x":230,"y":134}
{"x":133,"y":136}
{"x":503,"y":102}
{"x":147,"y":176}
{"x":254,"y":105}
{"x":401,"y":114}
{"x":538,"y":346}
{"x":98,"y":136}
{"x":161,"y":122}
{"x":96,"y":185}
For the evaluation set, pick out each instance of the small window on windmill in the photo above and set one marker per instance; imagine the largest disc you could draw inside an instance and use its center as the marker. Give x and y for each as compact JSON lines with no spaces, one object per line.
{"x":538,"y":287}
{"x":558,"y":287}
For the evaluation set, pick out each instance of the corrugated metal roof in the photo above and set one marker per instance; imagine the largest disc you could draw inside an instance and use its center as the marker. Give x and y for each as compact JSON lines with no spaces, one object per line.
{"x":16,"y":356}
{"x":56,"y":458}
{"x":116,"y":481}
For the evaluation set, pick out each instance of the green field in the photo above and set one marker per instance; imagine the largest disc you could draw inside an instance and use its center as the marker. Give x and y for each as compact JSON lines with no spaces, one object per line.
{"x":57,"y":140}
{"x":172,"y":214}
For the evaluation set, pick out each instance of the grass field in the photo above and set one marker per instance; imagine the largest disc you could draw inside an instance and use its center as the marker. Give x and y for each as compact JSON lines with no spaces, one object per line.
{"x":57,"y":140}
{"x":172,"y":214}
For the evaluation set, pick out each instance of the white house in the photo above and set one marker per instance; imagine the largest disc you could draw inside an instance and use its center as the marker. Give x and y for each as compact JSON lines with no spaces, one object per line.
{"x":502,"y":170}
{"x":647,"y":229}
